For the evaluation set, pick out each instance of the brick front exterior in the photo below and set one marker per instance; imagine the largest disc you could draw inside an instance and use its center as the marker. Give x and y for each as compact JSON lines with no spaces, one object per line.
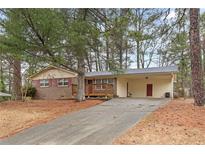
{"x":54,"y":91}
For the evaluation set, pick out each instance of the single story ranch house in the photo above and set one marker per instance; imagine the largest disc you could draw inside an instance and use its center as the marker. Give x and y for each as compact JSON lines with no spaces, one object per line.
{"x":58,"y":83}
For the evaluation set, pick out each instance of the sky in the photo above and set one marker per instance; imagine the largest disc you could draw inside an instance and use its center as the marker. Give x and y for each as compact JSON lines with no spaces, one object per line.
{"x":202,"y":10}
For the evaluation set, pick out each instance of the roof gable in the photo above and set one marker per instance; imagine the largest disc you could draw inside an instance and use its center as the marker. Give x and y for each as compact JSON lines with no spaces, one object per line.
{"x":53,"y":72}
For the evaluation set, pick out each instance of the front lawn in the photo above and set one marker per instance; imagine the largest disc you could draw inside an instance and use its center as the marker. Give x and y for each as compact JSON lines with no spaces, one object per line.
{"x":16,"y":116}
{"x":179,"y":122}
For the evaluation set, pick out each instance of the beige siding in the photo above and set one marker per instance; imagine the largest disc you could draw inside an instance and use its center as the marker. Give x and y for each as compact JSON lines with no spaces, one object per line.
{"x":54,"y":73}
{"x":137,"y":87}
{"x":121,"y":87}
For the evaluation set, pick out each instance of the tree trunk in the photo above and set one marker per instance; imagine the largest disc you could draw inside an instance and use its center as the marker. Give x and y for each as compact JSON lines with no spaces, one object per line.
{"x":182,"y":73}
{"x":121,"y":36}
{"x":10,"y":79}
{"x":121,"y":58}
{"x":203,"y":49}
{"x":99,"y":61}
{"x":142,"y":59}
{"x":81,"y":80}
{"x":112,"y":62}
{"x":196,"y":67}
{"x":107,"y":48}
{"x":96,"y":61}
{"x":107,"y":55}
{"x":89,"y":61}
{"x":2,"y":85}
{"x":81,"y":67}
{"x":138,"y":55}
{"x":126,"y":57}
{"x":138,"y":28}
{"x":16,"y":83}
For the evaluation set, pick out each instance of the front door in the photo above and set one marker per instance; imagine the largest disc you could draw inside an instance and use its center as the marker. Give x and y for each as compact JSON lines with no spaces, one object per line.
{"x":149,"y":89}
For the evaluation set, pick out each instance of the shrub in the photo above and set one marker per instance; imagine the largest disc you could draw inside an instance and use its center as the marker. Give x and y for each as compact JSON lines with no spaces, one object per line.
{"x":30,"y":91}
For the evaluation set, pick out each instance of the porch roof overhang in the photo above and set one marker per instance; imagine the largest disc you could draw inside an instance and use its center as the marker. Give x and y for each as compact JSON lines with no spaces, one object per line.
{"x":133,"y":72}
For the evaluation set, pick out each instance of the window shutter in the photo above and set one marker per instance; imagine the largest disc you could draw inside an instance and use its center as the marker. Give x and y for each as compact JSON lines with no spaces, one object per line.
{"x":69,"y":82}
{"x":50,"y":82}
{"x":36,"y":83}
{"x":54,"y":82}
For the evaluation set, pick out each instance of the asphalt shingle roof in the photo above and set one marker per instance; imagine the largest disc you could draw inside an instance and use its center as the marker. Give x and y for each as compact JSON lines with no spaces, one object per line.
{"x":168,"y":69}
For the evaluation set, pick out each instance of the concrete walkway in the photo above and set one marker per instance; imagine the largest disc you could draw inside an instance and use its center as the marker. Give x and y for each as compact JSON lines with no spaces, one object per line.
{"x":96,"y":125}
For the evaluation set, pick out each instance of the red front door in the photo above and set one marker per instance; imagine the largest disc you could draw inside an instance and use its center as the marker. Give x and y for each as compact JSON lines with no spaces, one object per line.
{"x":149,"y":89}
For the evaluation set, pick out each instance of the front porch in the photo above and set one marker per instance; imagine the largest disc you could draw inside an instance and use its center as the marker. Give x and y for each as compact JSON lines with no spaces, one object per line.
{"x":100,"y":87}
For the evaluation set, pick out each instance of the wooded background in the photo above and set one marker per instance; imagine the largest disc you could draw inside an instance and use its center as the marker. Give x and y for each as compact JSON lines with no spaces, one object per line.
{"x":95,"y":40}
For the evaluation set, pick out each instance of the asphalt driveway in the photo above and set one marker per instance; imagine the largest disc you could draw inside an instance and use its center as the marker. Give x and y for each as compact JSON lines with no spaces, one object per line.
{"x":96,"y":125}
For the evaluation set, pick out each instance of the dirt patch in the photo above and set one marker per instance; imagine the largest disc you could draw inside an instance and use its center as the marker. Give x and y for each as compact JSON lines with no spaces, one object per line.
{"x":179,"y":122}
{"x":16,"y":116}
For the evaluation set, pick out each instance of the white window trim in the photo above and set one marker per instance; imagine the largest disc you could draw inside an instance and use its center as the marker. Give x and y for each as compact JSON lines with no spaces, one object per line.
{"x":110,"y":79}
{"x":101,"y":82}
{"x":96,"y":86}
{"x":63,"y":82}
{"x":44,"y":86}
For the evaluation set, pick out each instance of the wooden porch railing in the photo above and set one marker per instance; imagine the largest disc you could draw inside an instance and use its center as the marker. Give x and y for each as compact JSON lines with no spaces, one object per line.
{"x":106,"y":90}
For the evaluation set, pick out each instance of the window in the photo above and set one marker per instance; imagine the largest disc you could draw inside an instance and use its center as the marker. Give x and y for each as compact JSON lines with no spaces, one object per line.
{"x":110,"y":81}
{"x":104,"y":82}
{"x":101,"y":83}
{"x":90,"y":81}
{"x":63,"y":82}
{"x":98,"y":84}
{"x":44,"y":83}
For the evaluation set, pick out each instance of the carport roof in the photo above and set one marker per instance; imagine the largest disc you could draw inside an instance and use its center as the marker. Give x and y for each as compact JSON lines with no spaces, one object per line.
{"x":168,"y":69}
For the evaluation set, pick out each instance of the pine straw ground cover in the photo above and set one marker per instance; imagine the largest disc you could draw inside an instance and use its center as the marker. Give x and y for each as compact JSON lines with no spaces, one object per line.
{"x":16,"y":116}
{"x":179,"y":122}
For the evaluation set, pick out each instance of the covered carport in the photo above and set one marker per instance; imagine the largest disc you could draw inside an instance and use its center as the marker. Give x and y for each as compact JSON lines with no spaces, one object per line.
{"x":156,"y":82}
{"x":147,"y":83}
